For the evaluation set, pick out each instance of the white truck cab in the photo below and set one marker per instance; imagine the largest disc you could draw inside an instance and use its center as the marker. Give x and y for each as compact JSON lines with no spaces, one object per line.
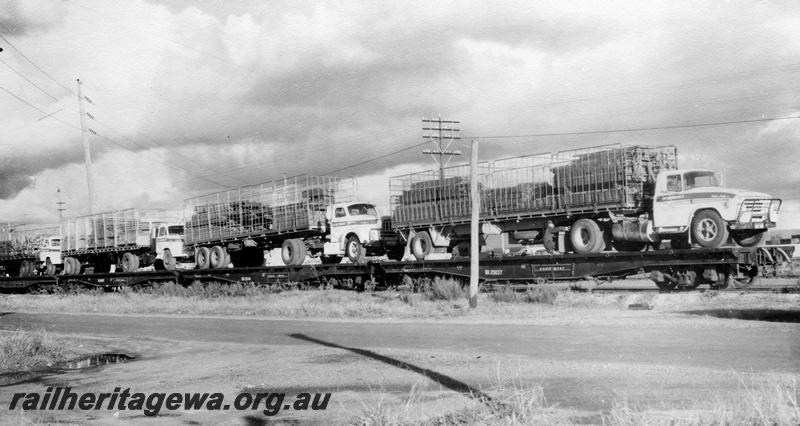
{"x":48,"y":255}
{"x":698,"y":202}
{"x":352,"y":226}
{"x":167,"y":244}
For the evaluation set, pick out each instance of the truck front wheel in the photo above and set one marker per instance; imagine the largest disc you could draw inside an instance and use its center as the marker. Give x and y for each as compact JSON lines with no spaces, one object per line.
{"x":168,"y":260}
{"x":353,"y":249}
{"x":709,"y":230}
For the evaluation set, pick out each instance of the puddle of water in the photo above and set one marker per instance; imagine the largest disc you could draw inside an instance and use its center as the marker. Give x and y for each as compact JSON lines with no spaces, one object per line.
{"x":97,"y":360}
{"x":769,"y":315}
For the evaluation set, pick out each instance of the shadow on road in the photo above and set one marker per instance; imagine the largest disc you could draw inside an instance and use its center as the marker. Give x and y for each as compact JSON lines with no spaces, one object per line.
{"x":769,"y":315}
{"x":446,"y":381}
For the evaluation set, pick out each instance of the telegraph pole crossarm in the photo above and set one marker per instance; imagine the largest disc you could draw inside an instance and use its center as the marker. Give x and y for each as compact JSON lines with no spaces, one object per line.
{"x":439,"y":130}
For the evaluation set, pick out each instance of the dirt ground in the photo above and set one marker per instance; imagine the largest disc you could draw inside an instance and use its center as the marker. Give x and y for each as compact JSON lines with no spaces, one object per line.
{"x":409,"y":381}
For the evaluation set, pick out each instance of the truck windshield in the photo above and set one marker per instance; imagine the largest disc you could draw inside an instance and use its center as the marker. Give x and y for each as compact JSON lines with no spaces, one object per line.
{"x":177,"y":229}
{"x":362,"y":209}
{"x":701,"y":180}
{"x":55,"y":242}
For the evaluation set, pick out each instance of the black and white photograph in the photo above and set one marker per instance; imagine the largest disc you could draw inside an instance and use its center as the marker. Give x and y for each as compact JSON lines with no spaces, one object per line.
{"x":271,"y":212}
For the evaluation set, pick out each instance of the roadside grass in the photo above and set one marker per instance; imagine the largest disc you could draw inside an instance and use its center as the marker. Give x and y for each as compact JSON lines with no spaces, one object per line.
{"x":513,"y":405}
{"x":760,"y":400}
{"x":435,"y":299}
{"x":22,"y":350}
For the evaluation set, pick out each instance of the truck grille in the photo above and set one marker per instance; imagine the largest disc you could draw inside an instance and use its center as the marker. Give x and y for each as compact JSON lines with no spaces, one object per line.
{"x":758,"y":209}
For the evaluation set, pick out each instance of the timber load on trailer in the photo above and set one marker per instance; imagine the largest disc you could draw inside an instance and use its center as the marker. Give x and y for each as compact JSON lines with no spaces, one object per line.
{"x":30,"y":249}
{"x":625,"y":197}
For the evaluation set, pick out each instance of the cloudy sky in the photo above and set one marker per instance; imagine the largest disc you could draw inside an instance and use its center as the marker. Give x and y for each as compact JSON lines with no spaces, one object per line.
{"x":192,"y":97}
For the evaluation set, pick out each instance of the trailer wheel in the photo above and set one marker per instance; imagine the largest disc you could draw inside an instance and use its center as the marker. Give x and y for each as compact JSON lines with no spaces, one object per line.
{"x":76,"y":266}
{"x":130,"y":262}
{"x":67,"y":269}
{"x":217,"y":257}
{"x":201,"y":257}
{"x":421,"y":245}
{"x":353,"y":249}
{"x":748,"y":238}
{"x":25,"y":268}
{"x":709,"y":230}
{"x":168,"y":260}
{"x":300,"y":249}
{"x":586,"y":237}
{"x":293,"y":252}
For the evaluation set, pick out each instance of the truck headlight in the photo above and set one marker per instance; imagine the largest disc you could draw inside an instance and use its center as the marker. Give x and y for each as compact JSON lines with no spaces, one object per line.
{"x":374,"y":234}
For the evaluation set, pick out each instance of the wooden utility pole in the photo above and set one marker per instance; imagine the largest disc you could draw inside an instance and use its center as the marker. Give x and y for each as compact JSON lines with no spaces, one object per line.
{"x":60,"y":205}
{"x":86,"y":151}
{"x":474,"y":244}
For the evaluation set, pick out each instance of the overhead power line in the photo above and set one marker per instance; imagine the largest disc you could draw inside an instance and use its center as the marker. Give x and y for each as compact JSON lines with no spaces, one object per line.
{"x":639,"y":129}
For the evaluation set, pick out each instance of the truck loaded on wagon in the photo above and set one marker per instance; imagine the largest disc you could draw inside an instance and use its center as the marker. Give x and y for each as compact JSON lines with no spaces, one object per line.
{"x":122,"y":240}
{"x":614,"y":196}
{"x":304,"y":216}
{"x":29,"y":249}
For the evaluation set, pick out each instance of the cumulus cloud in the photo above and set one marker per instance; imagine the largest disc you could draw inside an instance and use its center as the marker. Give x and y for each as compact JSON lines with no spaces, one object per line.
{"x":27,"y":16}
{"x":209,"y":96}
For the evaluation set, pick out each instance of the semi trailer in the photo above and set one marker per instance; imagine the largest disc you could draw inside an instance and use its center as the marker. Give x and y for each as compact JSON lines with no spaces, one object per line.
{"x":305,"y":216}
{"x":123,"y":240}
{"x":612,"y":196}
{"x":29,"y":250}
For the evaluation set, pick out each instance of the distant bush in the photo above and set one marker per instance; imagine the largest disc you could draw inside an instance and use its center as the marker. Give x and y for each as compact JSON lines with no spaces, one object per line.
{"x":505,"y":295}
{"x":445,"y":289}
{"x":204,"y":290}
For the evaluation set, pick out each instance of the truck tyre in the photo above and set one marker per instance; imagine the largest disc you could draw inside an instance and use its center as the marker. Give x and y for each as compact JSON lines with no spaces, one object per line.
{"x":709,"y":230}
{"x":201,"y":257}
{"x":748,"y":238}
{"x":168,"y":260}
{"x":25,"y":268}
{"x":300,"y":250}
{"x":217,"y":258}
{"x":421,"y":245}
{"x":293,"y":252}
{"x":353,"y":249}
{"x":586,"y":237}
{"x":76,"y":266}
{"x":49,"y":268}
{"x":130,"y":262}
{"x":67,"y":270}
